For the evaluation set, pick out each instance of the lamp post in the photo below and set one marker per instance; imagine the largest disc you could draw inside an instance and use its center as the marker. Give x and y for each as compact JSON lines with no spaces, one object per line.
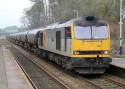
{"x":120,"y":23}
{"x":77,"y":13}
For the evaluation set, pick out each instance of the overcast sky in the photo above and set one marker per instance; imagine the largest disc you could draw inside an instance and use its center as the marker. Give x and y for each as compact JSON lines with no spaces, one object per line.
{"x":11,"y":11}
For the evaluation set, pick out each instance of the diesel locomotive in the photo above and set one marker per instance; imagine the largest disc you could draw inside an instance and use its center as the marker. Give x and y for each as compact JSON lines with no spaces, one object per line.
{"x":80,"y":44}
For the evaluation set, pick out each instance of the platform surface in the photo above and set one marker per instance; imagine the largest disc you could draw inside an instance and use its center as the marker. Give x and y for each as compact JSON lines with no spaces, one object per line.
{"x":119,"y":62}
{"x":11,"y":75}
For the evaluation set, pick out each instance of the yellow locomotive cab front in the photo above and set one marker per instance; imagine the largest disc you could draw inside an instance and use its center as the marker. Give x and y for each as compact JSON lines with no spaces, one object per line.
{"x":90,"y":44}
{"x":90,"y":47}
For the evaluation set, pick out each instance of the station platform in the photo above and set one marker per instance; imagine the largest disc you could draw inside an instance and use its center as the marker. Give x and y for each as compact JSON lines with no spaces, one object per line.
{"x":11,"y":75}
{"x":118,"y":62}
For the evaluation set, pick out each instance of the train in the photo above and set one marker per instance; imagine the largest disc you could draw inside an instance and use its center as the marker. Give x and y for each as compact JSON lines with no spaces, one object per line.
{"x":81,"y":44}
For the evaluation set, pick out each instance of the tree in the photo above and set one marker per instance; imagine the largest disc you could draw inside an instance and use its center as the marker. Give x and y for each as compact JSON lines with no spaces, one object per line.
{"x":38,"y":16}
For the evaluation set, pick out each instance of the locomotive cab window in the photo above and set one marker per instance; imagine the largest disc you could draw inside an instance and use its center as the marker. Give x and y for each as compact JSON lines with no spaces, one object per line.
{"x":99,"y":32}
{"x":68,"y":32}
{"x":82,"y":32}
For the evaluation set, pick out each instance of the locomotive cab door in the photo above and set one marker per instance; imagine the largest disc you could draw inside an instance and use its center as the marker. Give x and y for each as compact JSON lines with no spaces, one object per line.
{"x":67,"y":36}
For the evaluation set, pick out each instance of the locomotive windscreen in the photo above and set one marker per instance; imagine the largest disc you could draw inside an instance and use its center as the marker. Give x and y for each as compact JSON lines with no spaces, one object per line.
{"x":91,"y":32}
{"x":100,"y":32}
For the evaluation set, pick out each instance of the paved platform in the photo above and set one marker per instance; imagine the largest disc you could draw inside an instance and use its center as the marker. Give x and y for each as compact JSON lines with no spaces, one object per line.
{"x":11,"y":75}
{"x":119,"y":62}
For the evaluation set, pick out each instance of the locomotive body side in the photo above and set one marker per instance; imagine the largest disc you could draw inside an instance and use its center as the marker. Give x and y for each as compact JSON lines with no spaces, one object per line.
{"x":54,"y":41}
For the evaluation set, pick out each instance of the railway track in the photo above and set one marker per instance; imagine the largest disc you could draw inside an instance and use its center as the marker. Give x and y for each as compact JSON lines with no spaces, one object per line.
{"x":120,"y":82}
{"x":103,"y":82}
{"x":39,"y":77}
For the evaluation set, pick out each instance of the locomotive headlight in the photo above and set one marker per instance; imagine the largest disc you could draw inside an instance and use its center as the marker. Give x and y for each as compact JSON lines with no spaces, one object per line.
{"x":76,"y":52}
{"x":106,"y":52}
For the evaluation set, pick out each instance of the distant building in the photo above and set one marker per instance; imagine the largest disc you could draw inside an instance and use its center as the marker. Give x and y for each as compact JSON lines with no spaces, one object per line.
{"x":11,"y":29}
{"x":8,"y":30}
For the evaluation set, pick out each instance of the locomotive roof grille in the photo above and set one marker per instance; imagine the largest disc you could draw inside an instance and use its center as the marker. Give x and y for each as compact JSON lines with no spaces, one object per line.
{"x":89,"y":21}
{"x":91,"y":18}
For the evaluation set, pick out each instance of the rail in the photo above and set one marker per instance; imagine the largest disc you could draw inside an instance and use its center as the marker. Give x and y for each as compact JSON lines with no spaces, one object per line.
{"x":61,"y":84}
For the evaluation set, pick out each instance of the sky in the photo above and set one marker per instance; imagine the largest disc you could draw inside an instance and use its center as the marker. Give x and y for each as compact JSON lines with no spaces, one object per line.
{"x":11,"y":11}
